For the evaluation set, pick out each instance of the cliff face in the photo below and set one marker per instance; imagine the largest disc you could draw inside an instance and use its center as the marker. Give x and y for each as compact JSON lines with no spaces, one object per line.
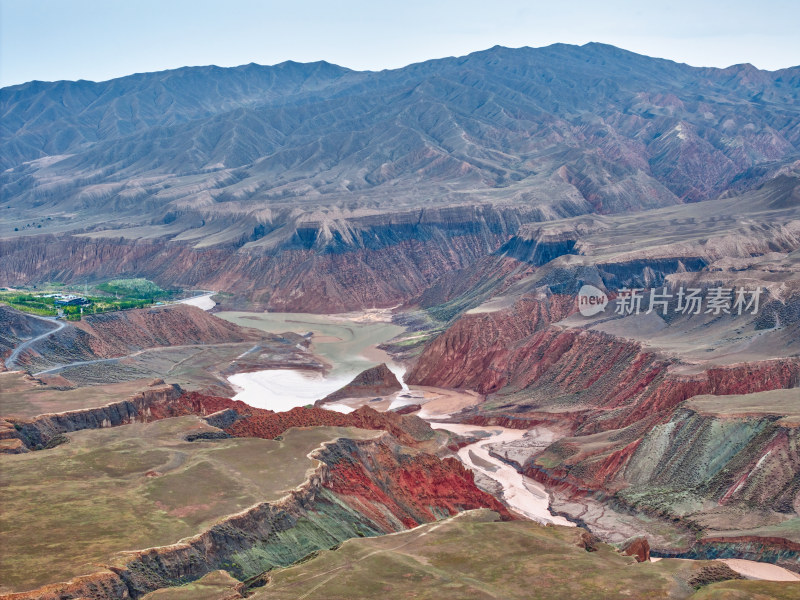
{"x":730,"y":460}
{"x":609,"y":425}
{"x":37,"y":433}
{"x":534,"y":370}
{"x":408,"y":429}
{"x":361,"y":488}
{"x":232,"y":416}
{"x":477,"y":351}
{"x":633,"y":443}
{"x":315,"y":267}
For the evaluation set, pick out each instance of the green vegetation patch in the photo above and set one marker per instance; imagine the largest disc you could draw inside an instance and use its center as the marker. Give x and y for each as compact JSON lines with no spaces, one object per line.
{"x":136,"y":289}
{"x":118,"y":294}
{"x":30,"y":303}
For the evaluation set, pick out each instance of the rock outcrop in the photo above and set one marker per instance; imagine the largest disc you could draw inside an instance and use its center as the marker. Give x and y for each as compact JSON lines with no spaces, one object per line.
{"x":409,"y":429}
{"x":532,"y":369}
{"x":37,"y":433}
{"x":638,"y":548}
{"x":232,"y":416}
{"x":375,"y":381}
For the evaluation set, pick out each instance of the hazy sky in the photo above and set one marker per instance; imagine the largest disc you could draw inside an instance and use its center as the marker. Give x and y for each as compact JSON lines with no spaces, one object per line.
{"x":101,"y":39}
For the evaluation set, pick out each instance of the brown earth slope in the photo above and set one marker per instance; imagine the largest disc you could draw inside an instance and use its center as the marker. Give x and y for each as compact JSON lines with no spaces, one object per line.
{"x":376,"y":381}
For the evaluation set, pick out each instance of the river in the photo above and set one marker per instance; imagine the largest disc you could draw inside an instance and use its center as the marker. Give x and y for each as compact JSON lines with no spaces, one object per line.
{"x":348,"y":343}
{"x":522,"y":494}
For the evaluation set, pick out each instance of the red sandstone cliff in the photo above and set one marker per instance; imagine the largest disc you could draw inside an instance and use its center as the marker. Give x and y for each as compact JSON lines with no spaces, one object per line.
{"x":593,"y":380}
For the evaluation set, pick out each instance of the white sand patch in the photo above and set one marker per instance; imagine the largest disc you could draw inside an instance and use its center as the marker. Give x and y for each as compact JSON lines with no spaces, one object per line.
{"x":203,"y":302}
{"x":283,"y":389}
{"x":339,"y":407}
{"x":760,"y":570}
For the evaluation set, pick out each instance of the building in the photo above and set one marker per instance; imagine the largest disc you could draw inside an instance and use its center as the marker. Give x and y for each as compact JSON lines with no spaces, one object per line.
{"x":68,"y":300}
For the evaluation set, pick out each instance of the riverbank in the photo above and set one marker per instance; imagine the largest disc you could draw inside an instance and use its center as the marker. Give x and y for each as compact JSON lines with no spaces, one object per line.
{"x":346,"y":344}
{"x":524,"y":495}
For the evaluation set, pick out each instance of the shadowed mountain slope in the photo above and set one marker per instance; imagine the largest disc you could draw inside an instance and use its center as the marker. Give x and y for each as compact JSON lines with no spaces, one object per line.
{"x":571,"y":129}
{"x":310,"y":177}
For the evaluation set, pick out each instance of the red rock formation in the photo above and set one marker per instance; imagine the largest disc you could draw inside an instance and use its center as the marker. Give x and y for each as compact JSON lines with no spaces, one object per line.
{"x":170,"y":401}
{"x":267,"y":424}
{"x":590,"y":382}
{"x":195,"y":403}
{"x":639,"y":547}
{"x":587,"y":541}
{"x":597,"y":381}
{"x":361,"y":487}
{"x":411,"y":488}
{"x":478,"y":350}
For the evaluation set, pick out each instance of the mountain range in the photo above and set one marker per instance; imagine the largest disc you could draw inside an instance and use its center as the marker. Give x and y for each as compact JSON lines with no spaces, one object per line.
{"x":259,"y":161}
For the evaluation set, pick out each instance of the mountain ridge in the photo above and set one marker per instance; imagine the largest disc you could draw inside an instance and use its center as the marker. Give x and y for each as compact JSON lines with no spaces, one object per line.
{"x":302,"y":161}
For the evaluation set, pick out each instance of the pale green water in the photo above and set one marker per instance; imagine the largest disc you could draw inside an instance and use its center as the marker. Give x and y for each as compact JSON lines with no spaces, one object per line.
{"x":348,"y":347}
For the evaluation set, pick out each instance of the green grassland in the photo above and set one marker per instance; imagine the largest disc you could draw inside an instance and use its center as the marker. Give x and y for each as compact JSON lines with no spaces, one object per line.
{"x":66,"y":510}
{"x":473,"y":557}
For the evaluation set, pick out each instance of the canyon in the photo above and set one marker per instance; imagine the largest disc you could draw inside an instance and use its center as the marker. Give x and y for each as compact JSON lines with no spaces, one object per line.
{"x":389,"y":385}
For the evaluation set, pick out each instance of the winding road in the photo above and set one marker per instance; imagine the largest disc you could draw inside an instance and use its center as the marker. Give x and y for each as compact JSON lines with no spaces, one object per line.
{"x":12,"y":359}
{"x":202,"y":301}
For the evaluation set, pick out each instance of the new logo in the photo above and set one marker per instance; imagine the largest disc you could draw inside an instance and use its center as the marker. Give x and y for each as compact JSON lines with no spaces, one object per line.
{"x":591,"y":300}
